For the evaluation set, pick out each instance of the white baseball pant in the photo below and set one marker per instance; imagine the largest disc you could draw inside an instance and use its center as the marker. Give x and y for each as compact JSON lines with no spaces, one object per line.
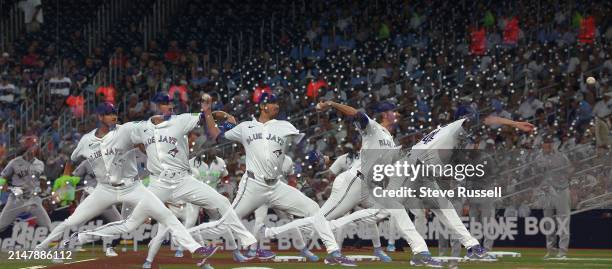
{"x":261,"y":215}
{"x":230,"y":240}
{"x":252,"y":194}
{"x":188,"y":213}
{"x":442,"y":208}
{"x":349,"y":192}
{"x":100,"y":201}
{"x":147,"y":205}
{"x":194,"y":191}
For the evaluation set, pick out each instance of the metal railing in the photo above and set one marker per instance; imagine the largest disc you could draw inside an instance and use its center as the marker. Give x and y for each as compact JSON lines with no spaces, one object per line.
{"x":101,"y":23}
{"x":153,"y":23}
{"x":11,"y":26}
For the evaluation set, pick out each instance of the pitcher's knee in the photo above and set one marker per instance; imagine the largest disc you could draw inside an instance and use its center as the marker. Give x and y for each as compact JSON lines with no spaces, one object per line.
{"x":311,"y":209}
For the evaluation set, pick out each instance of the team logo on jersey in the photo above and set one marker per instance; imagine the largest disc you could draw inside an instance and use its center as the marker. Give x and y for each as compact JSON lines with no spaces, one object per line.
{"x":271,"y":137}
{"x":429,"y":137}
{"x":95,"y":155}
{"x":385,"y":143}
{"x":277,"y":153}
{"x":173,"y":152}
{"x":162,"y":138}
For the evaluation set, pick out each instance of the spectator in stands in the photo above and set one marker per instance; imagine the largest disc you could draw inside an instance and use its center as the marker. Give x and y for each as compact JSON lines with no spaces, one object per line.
{"x":60,"y":85}
{"x":76,"y":102}
{"x":8,"y":91}
{"x":107,"y":93}
{"x":31,"y":59}
{"x":528,"y":107}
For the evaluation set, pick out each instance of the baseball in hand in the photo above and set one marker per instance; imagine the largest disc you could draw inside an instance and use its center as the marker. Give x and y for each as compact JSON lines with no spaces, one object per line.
{"x":591,"y":80}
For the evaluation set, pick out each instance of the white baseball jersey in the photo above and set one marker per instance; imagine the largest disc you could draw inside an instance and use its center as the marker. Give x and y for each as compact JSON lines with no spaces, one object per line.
{"x":374,"y":139}
{"x":265,"y":145}
{"x":86,"y":173}
{"x":24,"y":174}
{"x":343,"y":163}
{"x":110,"y":157}
{"x":445,"y":137}
{"x":211,"y":173}
{"x":166,"y":143}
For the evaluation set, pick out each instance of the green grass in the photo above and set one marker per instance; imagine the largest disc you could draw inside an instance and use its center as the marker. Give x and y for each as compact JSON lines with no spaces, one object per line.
{"x":531,"y":258}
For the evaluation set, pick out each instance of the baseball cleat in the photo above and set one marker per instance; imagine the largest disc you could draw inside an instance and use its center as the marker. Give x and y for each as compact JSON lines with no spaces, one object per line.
{"x":110,"y":252}
{"x":238,"y":257}
{"x":335,"y":258}
{"x":311,"y":257}
{"x":477,"y":252}
{"x":178,"y":253}
{"x":391,"y":247}
{"x":378,"y":252}
{"x":207,"y":266}
{"x":425,"y":259}
{"x":147,"y":265}
{"x":260,"y":254}
{"x":205,"y":252}
{"x":64,"y":244}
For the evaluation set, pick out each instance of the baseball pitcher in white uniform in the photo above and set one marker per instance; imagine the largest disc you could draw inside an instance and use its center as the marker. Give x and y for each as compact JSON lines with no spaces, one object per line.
{"x":433,"y":149}
{"x":351,"y":189}
{"x":165,"y":140}
{"x":109,"y":149}
{"x":266,"y":140}
{"x":24,"y":174}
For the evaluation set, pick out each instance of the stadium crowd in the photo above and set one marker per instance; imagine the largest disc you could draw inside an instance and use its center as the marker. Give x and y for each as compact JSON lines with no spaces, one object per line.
{"x":429,"y":58}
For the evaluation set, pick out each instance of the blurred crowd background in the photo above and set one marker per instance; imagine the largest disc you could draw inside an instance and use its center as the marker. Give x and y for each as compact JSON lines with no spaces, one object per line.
{"x":436,"y":60}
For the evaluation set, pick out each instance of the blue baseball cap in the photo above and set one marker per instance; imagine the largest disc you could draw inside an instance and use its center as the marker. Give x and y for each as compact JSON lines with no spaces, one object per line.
{"x":266,"y":98}
{"x":384,"y":107}
{"x":106,"y":108}
{"x":161,"y":97}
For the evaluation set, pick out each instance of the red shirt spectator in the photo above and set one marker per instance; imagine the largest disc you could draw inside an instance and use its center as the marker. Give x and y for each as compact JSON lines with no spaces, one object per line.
{"x":479,"y":39}
{"x":108,"y":93}
{"x":587,"y":30}
{"x":173,"y":53}
{"x":31,"y":59}
{"x":77,"y":104}
{"x":260,"y":90}
{"x":181,"y":90}
{"x":312,"y":90}
{"x":511,"y":33}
